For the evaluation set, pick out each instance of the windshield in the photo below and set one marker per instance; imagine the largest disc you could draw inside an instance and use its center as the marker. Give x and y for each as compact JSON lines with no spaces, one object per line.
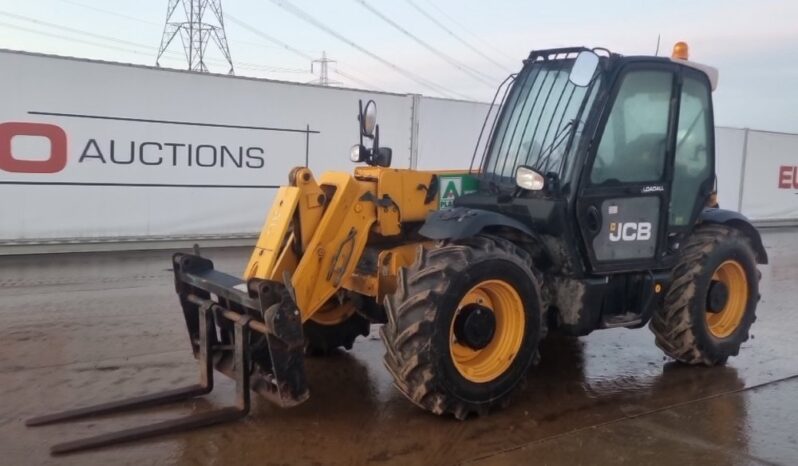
{"x":538,"y":117}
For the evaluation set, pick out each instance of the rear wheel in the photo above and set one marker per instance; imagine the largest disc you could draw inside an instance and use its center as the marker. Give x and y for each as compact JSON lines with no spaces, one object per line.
{"x":463,"y":326}
{"x":332,"y":327}
{"x":712,"y":301}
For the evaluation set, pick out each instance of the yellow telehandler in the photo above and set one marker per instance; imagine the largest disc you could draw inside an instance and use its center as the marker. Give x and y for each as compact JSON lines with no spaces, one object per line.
{"x":591,"y":207}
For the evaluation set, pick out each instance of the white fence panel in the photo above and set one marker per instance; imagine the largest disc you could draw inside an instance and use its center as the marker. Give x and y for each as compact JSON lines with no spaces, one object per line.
{"x":729,"y":151}
{"x":448,"y":132}
{"x":92,"y":149}
{"x":770,"y":182}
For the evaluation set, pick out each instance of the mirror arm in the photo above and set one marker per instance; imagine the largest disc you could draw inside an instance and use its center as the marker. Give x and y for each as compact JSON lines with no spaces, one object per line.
{"x":360,"y":120}
{"x":376,"y":139}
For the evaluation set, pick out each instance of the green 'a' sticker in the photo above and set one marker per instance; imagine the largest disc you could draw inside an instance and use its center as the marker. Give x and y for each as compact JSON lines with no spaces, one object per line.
{"x":452,"y":187}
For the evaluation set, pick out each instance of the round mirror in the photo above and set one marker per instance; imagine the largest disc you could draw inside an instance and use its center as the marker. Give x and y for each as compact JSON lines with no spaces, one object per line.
{"x":584,"y":68}
{"x":369,"y":118}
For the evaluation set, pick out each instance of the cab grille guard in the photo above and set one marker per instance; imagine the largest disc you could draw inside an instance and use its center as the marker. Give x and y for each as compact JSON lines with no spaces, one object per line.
{"x":254,"y":337}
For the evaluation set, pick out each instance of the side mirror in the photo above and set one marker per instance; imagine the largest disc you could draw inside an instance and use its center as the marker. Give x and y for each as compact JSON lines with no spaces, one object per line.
{"x":584,"y":68}
{"x":376,"y":156}
{"x":368,"y":119}
{"x":529,"y":179}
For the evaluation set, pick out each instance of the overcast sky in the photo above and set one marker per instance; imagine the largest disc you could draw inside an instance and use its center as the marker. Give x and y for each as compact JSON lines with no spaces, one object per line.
{"x":477,"y":43}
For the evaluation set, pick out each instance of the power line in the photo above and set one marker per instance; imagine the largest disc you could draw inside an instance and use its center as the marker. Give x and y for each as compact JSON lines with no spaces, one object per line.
{"x":456,"y":36}
{"x":153,"y":23}
{"x":69,"y":29}
{"x":72,"y":39}
{"x":261,"y":44}
{"x":270,"y":38}
{"x":294,"y":50}
{"x":113,"y":13}
{"x":464,"y":28}
{"x":301,"y":14}
{"x":357,"y":80}
{"x":174,"y":55}
{"x":137,"y":52}
{"x":239,"y":64}
{"x":476,"y":74}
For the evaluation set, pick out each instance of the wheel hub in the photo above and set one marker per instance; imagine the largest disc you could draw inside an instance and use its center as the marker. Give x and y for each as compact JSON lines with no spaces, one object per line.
{"x":487,"y":331}
{"x":729,"y":287}
{"x":717,"y":297}
{"x":475,"y":326}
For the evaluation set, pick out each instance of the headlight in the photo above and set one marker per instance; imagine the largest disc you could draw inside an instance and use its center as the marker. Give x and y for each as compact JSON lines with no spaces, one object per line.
{"x":528,"y":178}
{"x":356,"y":154}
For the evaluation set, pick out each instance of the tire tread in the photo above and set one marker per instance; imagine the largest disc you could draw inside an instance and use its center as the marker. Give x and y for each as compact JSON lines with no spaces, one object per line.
{"x":411,"y":314}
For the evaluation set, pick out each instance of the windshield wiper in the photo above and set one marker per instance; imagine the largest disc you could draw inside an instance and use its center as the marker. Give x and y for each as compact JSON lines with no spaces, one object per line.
{"x":545,"y":155}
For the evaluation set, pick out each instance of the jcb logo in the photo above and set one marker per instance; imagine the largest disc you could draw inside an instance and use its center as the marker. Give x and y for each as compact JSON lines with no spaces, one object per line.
{"x":630,"y":231}
{"x":55,"y":162}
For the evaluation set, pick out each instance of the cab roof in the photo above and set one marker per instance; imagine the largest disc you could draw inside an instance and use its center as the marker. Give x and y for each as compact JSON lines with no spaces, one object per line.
{"x":571,"y":52}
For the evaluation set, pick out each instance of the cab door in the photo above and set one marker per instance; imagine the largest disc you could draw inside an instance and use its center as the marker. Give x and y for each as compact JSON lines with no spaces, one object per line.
{"x":622,"y":209}
{"x":694,"y":155}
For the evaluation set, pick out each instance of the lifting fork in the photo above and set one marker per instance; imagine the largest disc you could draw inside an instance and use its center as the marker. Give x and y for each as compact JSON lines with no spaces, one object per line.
{"x":207,"y":329}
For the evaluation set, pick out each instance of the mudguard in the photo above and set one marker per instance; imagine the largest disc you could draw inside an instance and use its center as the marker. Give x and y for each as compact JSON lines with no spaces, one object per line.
{"x":739,"y":221}
{"x":463,"y":222}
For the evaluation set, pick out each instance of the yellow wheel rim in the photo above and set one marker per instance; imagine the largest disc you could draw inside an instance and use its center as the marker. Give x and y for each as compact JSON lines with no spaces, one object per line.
{"x":332,"y":313}
{"x":492,"y":361}
{"x":725,"y":322}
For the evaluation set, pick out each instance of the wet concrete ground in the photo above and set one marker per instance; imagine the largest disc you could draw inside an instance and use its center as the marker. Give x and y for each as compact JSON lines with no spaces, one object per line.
{"x":86,"y":328}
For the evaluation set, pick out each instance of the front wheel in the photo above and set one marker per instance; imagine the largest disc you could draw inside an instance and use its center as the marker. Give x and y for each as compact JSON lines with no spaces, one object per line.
{"x":712,"y":301}
{"x":336,"y":325}
{"x":463,"y":326}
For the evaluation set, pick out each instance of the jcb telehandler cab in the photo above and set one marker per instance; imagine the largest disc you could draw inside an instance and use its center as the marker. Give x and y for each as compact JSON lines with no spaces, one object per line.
{"x":589,"y":208}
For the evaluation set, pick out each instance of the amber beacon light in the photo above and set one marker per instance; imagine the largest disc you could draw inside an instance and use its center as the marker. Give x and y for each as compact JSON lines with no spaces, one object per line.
{"x":680,"y":51}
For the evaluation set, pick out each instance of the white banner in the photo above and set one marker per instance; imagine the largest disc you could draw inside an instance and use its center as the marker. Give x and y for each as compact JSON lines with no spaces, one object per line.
{"x":92,"y":149}
{"x":448,"y":132}
{"x":729,"y":148}
{"x":770,"y":182}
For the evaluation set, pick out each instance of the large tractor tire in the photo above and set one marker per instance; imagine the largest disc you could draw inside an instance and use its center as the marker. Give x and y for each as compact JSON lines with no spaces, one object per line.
{"x":463,"y":326}
{"x":334,"y":326}
{"x":712,"y":300}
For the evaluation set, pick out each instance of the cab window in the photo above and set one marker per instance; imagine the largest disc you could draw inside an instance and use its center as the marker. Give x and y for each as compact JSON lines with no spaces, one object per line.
{"x":634,"y":142}
{"x":692,"y":167}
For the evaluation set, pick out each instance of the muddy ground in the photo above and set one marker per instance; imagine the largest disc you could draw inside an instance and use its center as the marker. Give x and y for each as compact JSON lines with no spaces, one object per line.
{"x":85,"y":328}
